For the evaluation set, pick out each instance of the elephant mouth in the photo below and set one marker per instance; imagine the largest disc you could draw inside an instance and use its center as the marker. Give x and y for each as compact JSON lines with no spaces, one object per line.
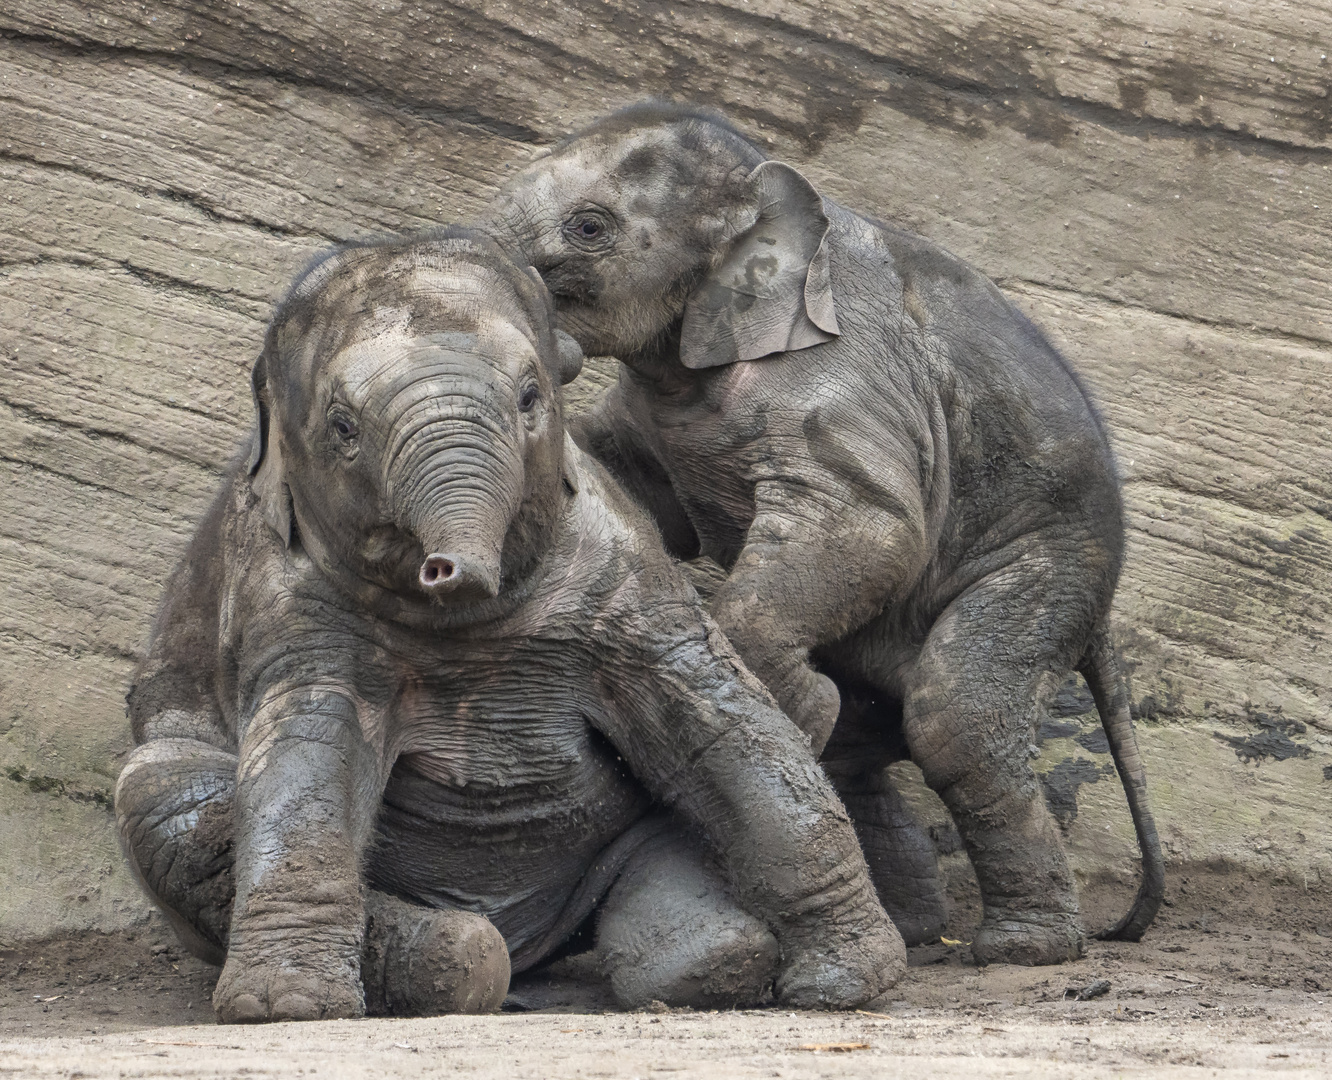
{"x":394,"y":559}
{"x":570,"y":282}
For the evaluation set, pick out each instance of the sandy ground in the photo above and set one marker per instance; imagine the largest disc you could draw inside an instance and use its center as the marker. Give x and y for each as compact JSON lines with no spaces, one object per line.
{"x":1235,"y":980}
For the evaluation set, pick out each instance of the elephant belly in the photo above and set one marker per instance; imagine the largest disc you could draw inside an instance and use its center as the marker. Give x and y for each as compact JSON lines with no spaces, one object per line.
{"x":515,"y":854}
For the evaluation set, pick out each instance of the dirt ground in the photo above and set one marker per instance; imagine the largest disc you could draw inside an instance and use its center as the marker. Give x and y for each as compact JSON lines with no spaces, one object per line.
{"x":1235,"y":979}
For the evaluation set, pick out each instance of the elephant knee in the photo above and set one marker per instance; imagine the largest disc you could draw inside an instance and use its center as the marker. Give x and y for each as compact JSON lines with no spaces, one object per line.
{"x":173,"y":804}
{"x":164,"y":792}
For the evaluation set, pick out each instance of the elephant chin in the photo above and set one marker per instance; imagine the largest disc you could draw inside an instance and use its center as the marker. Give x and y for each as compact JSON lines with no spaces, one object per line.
{"x":582,"y":322}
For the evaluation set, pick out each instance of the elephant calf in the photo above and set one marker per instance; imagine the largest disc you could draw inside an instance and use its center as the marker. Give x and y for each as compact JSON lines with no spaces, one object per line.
{"x":426,"y":687}
{"x":912,"y":504}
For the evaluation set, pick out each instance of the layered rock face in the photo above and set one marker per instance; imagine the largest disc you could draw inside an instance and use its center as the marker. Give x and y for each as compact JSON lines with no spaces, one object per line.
{"x":1152,"y":183}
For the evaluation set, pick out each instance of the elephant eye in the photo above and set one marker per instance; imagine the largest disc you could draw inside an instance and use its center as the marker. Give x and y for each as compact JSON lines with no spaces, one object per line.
{"x":585,"y":227}
{"x":528,"y":398}
{"x":344,"y":426}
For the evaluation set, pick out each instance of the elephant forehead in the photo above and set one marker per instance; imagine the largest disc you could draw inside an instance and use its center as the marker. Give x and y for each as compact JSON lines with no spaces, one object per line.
{"x":500,"y":338}
{"x":648,"y":166}
{"x":402,"y":349}
{"x":649,"y":178}
{"x":553,"y":184}
{"x":417,"y":287}
{"x":414,"y":300}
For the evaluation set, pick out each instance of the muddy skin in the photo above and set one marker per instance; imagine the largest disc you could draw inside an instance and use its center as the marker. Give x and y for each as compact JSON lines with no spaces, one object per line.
{"x":426,"y":687}
{"x":903,"y":489}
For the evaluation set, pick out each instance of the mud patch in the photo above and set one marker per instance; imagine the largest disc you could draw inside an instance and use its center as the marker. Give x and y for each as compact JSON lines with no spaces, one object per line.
{"x":1073,"y":698}
{"x":53,"y":785}
{"x":1148,"y":708}
{"x":1070,"y":701}
{"x":94,"y":983}
{"x":1096,"y":742}
{"x":1273,"y":740}
{"x":1057,"y":729}
{"x":946,"y":839}
{"x":1062,"y":782}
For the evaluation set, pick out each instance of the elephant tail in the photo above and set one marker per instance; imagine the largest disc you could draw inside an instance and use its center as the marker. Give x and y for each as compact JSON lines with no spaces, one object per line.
{"x":1100,"y":668}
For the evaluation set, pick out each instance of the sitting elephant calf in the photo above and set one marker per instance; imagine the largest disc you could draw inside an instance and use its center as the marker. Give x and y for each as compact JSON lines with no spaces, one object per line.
{"x":912,"y":504}
{"x":425,"y":687}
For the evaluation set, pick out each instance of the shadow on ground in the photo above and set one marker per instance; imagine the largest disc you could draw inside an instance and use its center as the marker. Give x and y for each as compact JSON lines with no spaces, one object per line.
{"x":1237,"y":974}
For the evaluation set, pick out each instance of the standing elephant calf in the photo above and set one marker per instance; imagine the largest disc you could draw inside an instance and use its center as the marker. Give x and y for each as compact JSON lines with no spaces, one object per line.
{"x":912,"y":504}
{"x":422,"y":644}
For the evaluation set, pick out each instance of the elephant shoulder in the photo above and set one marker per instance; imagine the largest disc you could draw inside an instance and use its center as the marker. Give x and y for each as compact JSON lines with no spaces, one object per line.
{"x":923,"y":267}
{"x":173,"y":690}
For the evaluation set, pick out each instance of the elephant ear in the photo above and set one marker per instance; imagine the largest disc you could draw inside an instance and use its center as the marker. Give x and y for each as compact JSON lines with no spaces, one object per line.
{"x":268,"y":478}
{"x":772,"y":292}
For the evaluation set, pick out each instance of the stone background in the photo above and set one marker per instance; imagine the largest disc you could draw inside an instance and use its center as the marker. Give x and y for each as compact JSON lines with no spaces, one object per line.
{"x":1149,"y":180}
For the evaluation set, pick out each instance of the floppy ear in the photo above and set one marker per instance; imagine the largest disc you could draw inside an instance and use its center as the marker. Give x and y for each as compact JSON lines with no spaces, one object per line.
{"x":267,"y":477}
{"x":772,"y":292}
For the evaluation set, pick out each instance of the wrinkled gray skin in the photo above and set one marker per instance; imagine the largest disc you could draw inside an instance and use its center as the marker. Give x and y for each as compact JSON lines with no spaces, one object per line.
{"x":908,"y":505}
{"x":422,"y":644}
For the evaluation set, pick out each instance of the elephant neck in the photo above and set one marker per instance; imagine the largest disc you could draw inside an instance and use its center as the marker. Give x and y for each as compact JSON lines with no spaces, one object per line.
{"x":657,"y":365}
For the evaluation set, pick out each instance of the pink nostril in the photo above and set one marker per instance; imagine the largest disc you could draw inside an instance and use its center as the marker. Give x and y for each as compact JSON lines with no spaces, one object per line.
{"x":436,"y":569}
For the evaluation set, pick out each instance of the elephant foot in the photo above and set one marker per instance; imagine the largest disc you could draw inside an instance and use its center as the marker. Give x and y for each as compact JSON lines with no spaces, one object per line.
{"x":420,"y":961}
{"x":1031,"y":939}
{"x":919,"y":928}
{"x":827,"y":977}
{"x":669,"y":932}
{"x":257,"y":993}
{"x":730,"y":966}
{"x":901,"y":857}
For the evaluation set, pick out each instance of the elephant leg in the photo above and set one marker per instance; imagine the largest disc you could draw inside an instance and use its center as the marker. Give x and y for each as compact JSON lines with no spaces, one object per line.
{"x":669,"y":931}
{"x":174,"y":810}
{"x":818,"y":562}
{"x":174,"y":805}
{"x":970,"y":714}
{"x":420,"y":961}
{"x":902,"y":861}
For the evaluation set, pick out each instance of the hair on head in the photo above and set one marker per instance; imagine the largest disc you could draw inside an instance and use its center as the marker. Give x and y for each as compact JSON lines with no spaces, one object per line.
{"x":452,"y":239}
{"x":659,"y":112}
{"x":422,"y":249}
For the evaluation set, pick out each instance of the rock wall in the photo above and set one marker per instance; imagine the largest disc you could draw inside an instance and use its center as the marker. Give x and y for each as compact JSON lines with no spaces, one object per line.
{"x":1149,"y":181}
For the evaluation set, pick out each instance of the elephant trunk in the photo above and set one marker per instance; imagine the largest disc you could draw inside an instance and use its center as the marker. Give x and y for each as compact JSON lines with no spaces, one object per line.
{"x":460,"y":483}
{"x":460,"y":574}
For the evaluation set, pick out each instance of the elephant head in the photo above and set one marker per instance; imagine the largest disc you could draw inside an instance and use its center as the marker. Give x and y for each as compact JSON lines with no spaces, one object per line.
{"x":408,"y":427}
{"x":660,"y":219}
